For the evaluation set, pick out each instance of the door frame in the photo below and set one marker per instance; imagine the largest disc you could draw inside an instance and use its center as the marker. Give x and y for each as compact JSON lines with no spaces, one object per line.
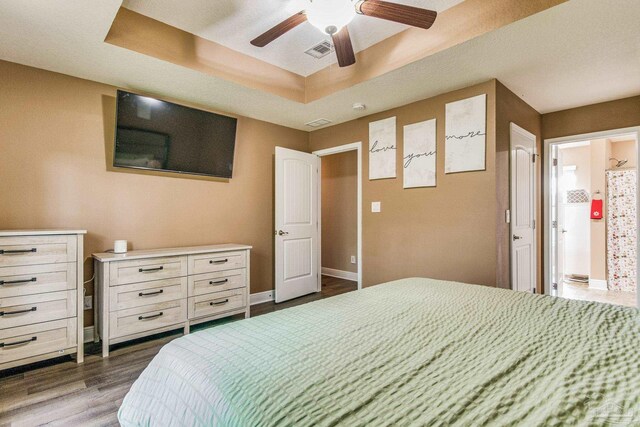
{"x":515,"y":128}
{"x":548,"y":170}
{"x":282,"y":229}
{"x":355,"y":146}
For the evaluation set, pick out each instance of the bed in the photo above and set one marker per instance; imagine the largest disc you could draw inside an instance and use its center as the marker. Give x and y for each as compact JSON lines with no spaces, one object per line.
{"x":410,"y":352}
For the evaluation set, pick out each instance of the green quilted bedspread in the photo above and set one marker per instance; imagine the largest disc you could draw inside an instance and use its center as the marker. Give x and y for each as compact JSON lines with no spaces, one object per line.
{"x":410,"y":352}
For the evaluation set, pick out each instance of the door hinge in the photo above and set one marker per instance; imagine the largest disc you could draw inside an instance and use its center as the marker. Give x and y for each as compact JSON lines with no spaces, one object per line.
{"x":555,"y":162}
{"x":533,"y":158}
{"x":534,"y":224}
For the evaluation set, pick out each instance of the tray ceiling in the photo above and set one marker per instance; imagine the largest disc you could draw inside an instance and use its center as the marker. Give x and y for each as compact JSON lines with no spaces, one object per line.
{"x":578,"y":53}
{"x":234,"y":23}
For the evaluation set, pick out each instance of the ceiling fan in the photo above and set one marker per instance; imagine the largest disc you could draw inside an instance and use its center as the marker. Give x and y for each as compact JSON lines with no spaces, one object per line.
{"x":332,"y":17}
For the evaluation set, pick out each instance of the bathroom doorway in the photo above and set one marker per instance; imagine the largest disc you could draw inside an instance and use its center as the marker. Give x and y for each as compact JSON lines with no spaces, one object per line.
{"x":592,"y":207}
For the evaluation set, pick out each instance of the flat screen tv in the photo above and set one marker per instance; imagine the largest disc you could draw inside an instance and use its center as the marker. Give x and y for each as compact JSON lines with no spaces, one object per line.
{"x":158,"y":135}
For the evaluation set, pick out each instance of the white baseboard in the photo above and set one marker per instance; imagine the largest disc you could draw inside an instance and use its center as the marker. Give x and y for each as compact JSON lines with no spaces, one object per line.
{"x":261,"y":297}
{"x":88,"y":334}
{"x":598,"y":284}
{"x":340,"y":274}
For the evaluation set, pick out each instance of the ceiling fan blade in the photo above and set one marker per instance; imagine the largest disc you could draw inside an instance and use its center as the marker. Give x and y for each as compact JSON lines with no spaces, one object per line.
{"x":344,"y":48}
{"x":409,"y":15}
{"x":283,"y":27}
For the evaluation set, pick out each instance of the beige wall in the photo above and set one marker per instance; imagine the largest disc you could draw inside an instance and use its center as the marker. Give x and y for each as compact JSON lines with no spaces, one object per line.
{"x":57,"y":134}
{"x":340,"y":211}
{"x":581,"y":158}
{"x":55,"y":131}
{"x":446,"y":232}
{"x":618,"y":114}
{"x":512,"y":109}
{"x":624,"y":150}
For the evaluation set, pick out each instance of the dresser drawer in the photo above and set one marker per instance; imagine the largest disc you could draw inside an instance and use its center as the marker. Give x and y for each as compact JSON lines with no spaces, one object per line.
{"x":146,"y":270}
{"x":146,"y":293}
{"x":33,"y":250}
{"x":216,"y":303}
{"x":147,"y":318}
{"x":26,"y":310}
{"x":37,"y":279}
{"x":222,"y":261}
{"x":34,"y":340}
{"x":216,"y":282}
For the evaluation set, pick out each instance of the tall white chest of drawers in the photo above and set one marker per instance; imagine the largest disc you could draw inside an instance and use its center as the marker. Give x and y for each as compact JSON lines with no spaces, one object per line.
{"x":147,"y":292}
{"x":41,"y":295}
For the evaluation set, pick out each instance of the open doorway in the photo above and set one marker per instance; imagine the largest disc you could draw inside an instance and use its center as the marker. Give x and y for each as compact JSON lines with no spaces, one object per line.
{"x":341,"y":217}
{"x":298,"y":225}
{"x":592,"y":226}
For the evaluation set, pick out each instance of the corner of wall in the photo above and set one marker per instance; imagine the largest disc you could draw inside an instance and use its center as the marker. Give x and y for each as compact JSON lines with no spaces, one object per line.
{"x":511,"y":108}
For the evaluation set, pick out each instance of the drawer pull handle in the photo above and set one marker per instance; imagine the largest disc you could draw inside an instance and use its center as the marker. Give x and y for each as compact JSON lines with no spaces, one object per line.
{"x":150,"y":317}
{"x":219,"y":282}
{"x":219,"y":302}
{"x":17,"y":251}
{"x":220,"y":261}
{"x":16,"y":282}
{"x":8,"y":344}
{"x":149,"y":270}
{"x":8,"y":313}
{"x":142,"y":294}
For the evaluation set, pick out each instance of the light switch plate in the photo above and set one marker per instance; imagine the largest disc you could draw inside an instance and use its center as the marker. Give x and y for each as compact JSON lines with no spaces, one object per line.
{"x":376,"y":207}
{"x":353,"y":259}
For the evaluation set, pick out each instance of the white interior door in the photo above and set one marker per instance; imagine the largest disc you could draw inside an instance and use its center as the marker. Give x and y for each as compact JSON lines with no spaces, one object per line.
{"x":523,"y":210}
{"x":296,"y":224}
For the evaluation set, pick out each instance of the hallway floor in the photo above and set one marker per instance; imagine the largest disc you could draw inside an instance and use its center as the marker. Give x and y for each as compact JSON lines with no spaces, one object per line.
{"x":579,"y":291}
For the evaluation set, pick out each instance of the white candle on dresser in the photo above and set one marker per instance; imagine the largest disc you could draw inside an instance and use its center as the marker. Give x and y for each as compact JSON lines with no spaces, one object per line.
{"x":120,"y":247}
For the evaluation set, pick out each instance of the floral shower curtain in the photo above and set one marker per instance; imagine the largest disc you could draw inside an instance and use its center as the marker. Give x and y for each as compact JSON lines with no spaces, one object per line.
{"x":621,"y":230}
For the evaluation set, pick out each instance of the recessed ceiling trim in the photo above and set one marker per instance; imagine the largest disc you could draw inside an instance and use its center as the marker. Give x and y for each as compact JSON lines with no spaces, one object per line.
{"x":456,"y":25}
{"x":139,"y":33}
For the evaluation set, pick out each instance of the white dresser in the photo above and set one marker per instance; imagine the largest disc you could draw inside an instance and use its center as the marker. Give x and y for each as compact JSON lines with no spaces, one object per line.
{"x":142,"y":293}
{"x":41,"y":295}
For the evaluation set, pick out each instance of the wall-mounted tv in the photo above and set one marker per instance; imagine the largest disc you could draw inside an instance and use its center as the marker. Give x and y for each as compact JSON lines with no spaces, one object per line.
{"x":158,"y":135}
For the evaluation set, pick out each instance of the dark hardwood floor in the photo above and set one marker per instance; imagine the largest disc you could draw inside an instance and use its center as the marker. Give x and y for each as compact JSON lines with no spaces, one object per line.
{"x":60,"y":392}
{"x":330,"y":287}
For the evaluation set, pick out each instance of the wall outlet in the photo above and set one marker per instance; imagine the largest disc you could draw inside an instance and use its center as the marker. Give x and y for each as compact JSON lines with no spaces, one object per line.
{"x":88,"y":302}
{"x":353,"y":259}
{"x":376,"y":207}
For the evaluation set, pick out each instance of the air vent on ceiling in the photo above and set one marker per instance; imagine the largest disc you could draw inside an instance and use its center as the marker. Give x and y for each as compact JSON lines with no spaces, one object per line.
{"x":318,"y":123}
{"x":320,"y":50}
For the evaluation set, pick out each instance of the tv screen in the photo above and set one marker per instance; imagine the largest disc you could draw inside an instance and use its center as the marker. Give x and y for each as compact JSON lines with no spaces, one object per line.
{"x":158,"y":135}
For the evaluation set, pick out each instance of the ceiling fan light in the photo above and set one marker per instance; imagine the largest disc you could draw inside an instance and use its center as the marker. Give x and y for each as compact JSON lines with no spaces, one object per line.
{"x":330,"y":16}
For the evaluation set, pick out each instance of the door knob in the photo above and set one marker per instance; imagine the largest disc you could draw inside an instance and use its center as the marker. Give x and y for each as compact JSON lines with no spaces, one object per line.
{"x":516,"y":237}
{"x":564,"y":231}
{"x":282,"y":233}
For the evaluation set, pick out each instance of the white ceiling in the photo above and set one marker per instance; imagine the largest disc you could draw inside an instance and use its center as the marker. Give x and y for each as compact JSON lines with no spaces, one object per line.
{"x":578,"y":53}
{"x":234,"y":23}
